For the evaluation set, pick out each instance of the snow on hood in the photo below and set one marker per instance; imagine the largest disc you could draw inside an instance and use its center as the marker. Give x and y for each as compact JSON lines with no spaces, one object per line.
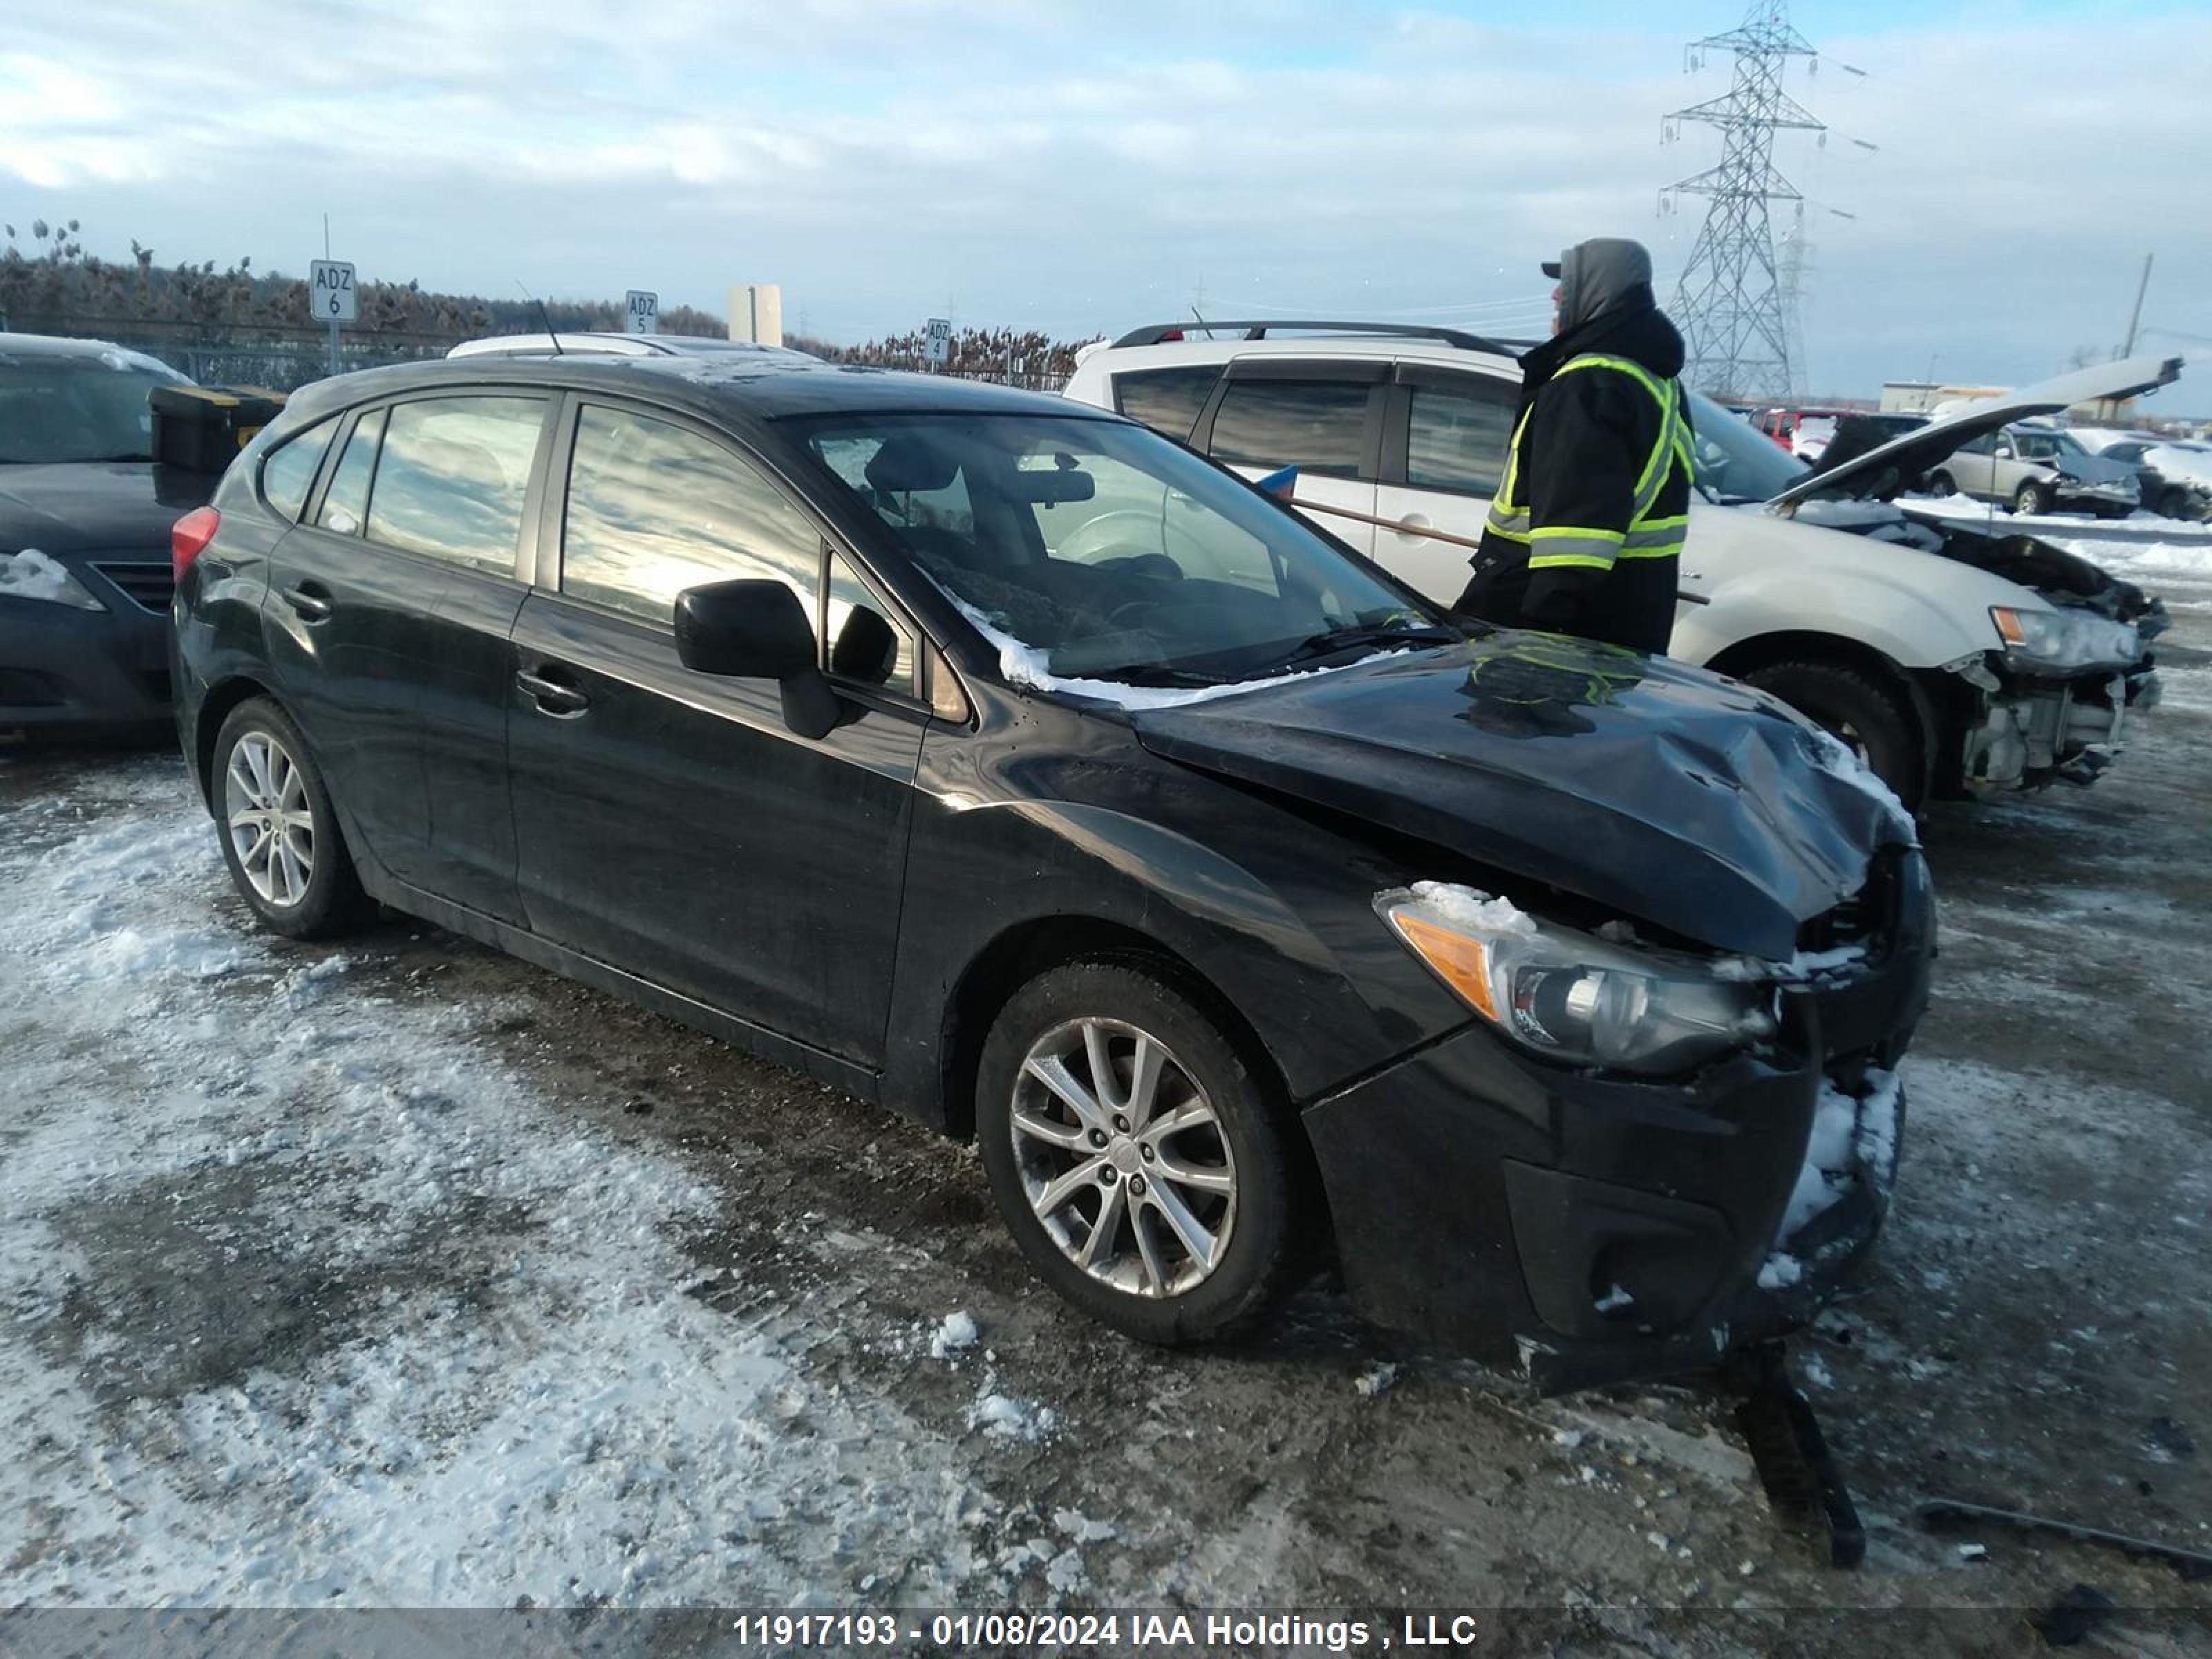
{"x":1888,"y":467}
{"x":1025,"y":665}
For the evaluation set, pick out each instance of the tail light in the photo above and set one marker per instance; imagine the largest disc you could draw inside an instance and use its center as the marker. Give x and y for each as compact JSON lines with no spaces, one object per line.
{"x":189,"y":537}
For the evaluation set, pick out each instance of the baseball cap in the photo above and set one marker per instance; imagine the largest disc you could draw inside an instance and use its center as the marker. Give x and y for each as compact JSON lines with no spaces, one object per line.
{"x":1551,"y":268}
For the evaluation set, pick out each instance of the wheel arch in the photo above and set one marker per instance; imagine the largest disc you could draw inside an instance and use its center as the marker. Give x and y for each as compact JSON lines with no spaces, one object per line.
{"x":1024,"y":950}
{"x":222,"y":698}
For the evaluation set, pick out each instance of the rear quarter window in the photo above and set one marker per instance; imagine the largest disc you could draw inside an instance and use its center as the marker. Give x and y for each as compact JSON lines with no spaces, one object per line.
{"x":1168,"y":400}
{"x":287,"y":472}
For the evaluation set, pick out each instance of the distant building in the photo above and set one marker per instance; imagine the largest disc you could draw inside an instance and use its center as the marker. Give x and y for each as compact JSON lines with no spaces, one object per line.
{"x":1922,"y":396}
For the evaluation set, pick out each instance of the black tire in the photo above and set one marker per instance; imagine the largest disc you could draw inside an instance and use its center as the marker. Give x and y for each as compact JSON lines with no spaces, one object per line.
{"x":1942,"y":483}
{"x":2030,"y":498}
{"x":2179,"y":503}
{"x":1881,"y":724}
{"x":329,"y":901}
{"x":1255,"y":1258}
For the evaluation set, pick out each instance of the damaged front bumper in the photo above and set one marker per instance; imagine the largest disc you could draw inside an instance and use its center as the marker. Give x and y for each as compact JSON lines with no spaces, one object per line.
{"x":2024,"y":733}
{"x":1587,"y":1229}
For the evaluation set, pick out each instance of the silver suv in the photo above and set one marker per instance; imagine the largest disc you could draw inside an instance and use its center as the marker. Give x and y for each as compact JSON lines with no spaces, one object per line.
{"x":2033,"y":469}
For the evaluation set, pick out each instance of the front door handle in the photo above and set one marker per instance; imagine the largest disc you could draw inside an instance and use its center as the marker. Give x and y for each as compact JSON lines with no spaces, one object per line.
{"x":310,"y":603}
{"x":562,"y":702}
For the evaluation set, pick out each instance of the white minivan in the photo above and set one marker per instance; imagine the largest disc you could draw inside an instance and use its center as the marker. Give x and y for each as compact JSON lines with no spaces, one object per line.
{"x":1956,"y":661}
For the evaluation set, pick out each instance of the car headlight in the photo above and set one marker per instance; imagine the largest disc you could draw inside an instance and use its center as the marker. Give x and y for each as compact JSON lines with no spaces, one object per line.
{"x":2064,"y":640}
{"x":1570,"y":996}
{"x":30,"y":574}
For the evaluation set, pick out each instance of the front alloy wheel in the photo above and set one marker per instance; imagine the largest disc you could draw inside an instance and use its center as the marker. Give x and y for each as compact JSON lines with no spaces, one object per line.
{"x":1136,"y":1154}
{"x":1122,"y":1159}
{"x":264,"y":802}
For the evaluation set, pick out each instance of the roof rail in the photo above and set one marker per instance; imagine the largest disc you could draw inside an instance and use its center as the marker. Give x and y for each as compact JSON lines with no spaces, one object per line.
{"x":1155,"y":333}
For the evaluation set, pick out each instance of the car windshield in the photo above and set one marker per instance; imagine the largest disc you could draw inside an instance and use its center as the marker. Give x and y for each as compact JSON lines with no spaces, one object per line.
{"x":1110,"y":552}
{"x":1737,"y":462}
{"x":91,"y":407}
{"x":2067,"y":444}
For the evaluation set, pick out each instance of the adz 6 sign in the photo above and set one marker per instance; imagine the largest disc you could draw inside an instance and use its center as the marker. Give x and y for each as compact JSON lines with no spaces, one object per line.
{"x":332,"y":296}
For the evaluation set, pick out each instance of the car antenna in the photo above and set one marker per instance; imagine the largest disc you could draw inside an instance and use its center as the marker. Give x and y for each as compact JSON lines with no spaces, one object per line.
{"x":544,"y":318}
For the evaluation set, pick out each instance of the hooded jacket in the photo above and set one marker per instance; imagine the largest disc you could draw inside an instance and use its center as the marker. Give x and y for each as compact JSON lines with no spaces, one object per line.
{"x":1570,"y":546}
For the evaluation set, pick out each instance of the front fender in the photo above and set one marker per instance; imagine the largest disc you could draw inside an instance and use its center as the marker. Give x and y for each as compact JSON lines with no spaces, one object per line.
{"x":1283,"y":932}
{"x":1767,"y":576}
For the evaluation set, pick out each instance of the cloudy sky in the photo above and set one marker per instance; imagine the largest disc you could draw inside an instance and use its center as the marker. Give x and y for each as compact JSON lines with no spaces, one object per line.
{"x":1083,"y":166}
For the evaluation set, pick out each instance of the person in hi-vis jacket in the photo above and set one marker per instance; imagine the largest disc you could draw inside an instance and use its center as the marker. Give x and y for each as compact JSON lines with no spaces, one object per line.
{"x":1585,"y":534}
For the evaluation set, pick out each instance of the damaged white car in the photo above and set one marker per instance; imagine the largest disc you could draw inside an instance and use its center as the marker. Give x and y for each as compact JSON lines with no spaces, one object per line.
{"x":1958,"y":660}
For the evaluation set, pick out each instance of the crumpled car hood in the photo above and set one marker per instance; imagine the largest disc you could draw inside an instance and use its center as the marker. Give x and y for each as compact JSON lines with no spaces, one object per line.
{"x":96,"y":506}
{"x":1641,"y":783}
{"x":1890,"y":467}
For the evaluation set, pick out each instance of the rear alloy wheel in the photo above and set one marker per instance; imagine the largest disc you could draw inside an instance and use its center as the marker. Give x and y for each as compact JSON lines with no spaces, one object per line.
{"x":1882,"y":728}
{"x":280,"y":835}
{"x":1134,"y":1155}
{"x":2031,"y":497}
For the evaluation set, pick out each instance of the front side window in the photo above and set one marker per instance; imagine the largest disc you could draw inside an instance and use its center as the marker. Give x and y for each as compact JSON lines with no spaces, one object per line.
{"x":346,"y":503}
{"x":654,"y":508}
{"x":1109,"y":551}
{"x":1456,"y":436}
{"x":1168,"y":400}
{"x":1317,"y":426}
{"x":452,"y":477}
{"x":864,"y":643}
{"x":289,"y":471}
{"x":93,"y":406}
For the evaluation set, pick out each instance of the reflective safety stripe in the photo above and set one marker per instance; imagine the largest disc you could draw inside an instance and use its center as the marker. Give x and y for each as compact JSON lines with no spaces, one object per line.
{"x":1645,"y":537}
{"x":1557,"y":544}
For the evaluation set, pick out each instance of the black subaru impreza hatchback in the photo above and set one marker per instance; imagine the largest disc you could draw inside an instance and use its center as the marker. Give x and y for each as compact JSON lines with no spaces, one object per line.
{"x":1000,"y":761}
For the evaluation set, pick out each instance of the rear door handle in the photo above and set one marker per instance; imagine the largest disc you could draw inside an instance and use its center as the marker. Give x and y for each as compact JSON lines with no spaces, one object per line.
{"x":310,"y":603}
{"x":1414,"y":526}
{"x":562,"y":702}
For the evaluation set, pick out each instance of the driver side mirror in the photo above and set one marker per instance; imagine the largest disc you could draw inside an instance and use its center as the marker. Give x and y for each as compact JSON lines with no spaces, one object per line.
{"x":757,"y":630}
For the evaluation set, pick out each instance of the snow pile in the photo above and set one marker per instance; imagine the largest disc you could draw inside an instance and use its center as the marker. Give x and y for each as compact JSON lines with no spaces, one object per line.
{"x":1026,"y":666}
{"x":1851,"y":1140}
{"x":1833,"y":755}
{"x":30,"y":574}
{"x":1475,"y":912}
{"x":1376,"y":1380}
{"x":1005,"y":1418}
{"x":311,"y":1302}
{"x":956,"y":1332}
{"x":1801,"y":969}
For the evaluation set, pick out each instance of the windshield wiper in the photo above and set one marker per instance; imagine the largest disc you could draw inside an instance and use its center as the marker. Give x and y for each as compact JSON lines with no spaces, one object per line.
{"x":1352,"y":637}
{"x":1144,"y":673}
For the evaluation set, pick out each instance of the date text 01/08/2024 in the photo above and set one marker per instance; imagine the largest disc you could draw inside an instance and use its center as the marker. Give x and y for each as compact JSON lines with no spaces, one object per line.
{"x":1096,"y":1630}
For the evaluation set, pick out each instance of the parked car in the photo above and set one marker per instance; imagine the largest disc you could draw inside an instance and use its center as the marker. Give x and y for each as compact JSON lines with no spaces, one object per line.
{"x":860,"y":719}
{"x":1806,"y":432}
{"x":85,"y":513}
{"x":2175,"y":473}
{"x":1953,"y":661}
{"x":2036,"y":469}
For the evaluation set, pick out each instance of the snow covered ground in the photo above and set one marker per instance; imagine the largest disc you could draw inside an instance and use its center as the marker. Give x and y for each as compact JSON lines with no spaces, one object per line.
{"x":400,"y":1273}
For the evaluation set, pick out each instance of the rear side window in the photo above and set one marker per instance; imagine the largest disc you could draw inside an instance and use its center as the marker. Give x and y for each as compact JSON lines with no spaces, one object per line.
{"x":289,"y":471}
{"x":1456,"y":436}
{"x":346,"y":503}
{"x":452,"y":478}
{"x":1318,"y":426}
{"x":654,"y":508}
{"x":1168,"y":400}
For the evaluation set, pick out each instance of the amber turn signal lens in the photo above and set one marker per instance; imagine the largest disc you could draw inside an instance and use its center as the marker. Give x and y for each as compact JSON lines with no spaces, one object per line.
{"x":1462,"y":963}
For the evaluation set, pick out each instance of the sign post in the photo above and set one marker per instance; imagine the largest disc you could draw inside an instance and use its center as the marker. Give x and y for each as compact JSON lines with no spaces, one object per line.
{"x":641,"y":312}
{"x":332,"y":298}
{"x":938,"y":338}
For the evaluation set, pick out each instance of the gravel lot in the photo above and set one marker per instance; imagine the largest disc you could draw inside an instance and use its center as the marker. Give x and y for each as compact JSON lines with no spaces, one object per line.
{"x":400,"y":1273}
